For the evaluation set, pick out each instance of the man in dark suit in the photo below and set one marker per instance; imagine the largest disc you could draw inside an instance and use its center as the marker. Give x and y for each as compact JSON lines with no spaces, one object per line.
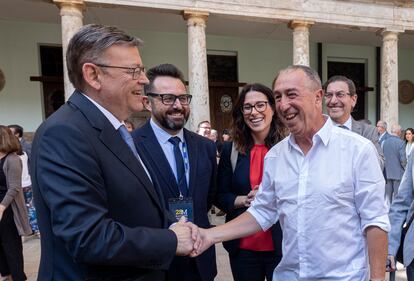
{"x":340,"y":99}
{"x":186,"y":170}
{"x":99,"y":214}
{"x":395,"y":162}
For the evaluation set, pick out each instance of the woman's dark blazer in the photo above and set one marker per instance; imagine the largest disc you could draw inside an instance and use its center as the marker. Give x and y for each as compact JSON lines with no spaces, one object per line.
{"x":229,"y":186}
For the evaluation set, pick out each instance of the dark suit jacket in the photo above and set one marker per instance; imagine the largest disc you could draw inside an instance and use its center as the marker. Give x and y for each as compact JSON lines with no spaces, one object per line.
{"x":395,"y":159}
{"x":99,"y":215}
{"x":371,"y":133}
{"x":202,"y":188}
{"x":230,"y":185}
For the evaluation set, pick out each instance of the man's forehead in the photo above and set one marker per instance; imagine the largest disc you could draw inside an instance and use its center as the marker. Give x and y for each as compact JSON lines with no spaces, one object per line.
{"x":337,"y":85}
{"x":163,"y":82}
{"x":289,"y":80}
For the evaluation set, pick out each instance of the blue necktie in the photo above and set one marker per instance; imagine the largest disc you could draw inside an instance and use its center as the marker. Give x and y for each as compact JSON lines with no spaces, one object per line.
{"x":179,"y":162}
{"x":343,"y":127}
{"x":126,"y":136}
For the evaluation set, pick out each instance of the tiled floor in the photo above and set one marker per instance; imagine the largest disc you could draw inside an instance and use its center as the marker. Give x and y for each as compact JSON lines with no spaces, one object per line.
{"x":32,"y":255}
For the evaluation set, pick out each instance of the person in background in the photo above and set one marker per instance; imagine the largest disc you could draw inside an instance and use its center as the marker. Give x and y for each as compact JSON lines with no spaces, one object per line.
{"x":129,"y":125}
{"x":219,"y":145}
{"x":28,"y":193}
{"x":401,"y":212}
{"x":256,"y":128}
{"x":226,"y":135}
{"x":204,"y":129}
{"x":409,"y":140}
{"x":395,"y":162}
{"x":382,"y":131}
{"x":18,"y":132}
{"x":340,"y":99}
{"x":13,"y":214}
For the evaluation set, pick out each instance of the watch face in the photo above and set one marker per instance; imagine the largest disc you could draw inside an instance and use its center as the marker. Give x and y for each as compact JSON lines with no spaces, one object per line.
{"x":2,"y":80}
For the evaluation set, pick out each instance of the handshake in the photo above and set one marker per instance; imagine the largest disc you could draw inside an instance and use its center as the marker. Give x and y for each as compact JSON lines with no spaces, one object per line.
{"x":191,"y":240}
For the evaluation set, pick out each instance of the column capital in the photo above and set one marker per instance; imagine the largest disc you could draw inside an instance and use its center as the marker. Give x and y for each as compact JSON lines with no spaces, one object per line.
{"x":390,"y":32}
{"x":195,"y":17}
{"x":300,"y":24}
{"x":76,"y":4}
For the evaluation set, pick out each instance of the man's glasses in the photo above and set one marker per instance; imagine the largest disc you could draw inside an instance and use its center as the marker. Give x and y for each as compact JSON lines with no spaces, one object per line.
{"x":338,"y":95}
{"x":260,"y":106}
{"x":169,"y":99}
{"x":135,"y":71}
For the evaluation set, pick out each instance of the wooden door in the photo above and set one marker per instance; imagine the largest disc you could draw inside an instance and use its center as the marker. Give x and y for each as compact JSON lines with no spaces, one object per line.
{"x":355,"y":72}
{"x":222,"y":99}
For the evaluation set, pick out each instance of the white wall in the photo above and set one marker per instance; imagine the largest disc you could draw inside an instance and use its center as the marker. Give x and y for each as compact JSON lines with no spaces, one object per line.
{"x":20,"y":100}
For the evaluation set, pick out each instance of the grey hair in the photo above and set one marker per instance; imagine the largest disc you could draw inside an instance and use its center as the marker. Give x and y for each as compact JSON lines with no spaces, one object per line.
{"x":88,"y":44}
{"x":396,"y":129}
{"x":341,"y":78}
{"x":382,"y":124}
{"x":309,"y":72}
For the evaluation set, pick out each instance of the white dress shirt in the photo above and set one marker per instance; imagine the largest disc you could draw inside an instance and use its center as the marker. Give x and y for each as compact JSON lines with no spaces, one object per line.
{"x":324,"y":201}
{"x":168,"y":148}
{"x":346,"y":125}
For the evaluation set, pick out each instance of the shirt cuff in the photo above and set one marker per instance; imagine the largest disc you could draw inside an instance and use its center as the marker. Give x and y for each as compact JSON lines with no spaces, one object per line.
{"x":382,"y":222}
{"x":264,"y":224}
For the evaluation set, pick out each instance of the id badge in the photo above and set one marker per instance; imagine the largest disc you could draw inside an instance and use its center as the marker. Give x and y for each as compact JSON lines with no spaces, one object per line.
{"x":181,"y":207}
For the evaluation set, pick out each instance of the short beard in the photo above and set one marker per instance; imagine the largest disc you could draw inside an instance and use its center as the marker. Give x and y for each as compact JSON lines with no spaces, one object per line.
{"x":166,"y":123}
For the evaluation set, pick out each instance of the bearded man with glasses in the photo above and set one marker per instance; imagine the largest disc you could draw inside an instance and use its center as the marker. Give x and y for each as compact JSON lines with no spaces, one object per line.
{"x":340,"y":99}
{"x":182,"y":162}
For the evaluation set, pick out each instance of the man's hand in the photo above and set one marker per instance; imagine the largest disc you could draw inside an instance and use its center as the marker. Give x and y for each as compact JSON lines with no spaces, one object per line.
{"x":391,"y":266}
{"x":187,"y":235}
{"x":203,"y":242}
{"x":2,"y":208}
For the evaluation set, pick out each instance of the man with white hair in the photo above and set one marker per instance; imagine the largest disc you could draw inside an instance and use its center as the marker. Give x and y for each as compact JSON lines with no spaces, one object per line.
{"x":382,"y":131}
{"x":395,"y":162}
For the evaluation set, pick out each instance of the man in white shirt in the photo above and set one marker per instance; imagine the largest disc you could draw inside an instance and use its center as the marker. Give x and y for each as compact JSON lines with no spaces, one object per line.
{"x":326,"y":188}
{"x":340,"y":99}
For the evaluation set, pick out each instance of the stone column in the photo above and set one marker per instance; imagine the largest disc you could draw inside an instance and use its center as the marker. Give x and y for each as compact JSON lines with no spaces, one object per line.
{"x":389,"y":76}
{"x":197,"y":67}
{"x":300,"y":41}
{"x":71,"y":12}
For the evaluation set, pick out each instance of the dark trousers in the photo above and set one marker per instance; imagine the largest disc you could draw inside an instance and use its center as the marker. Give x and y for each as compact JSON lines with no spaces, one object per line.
{"x":410,"y":272}
{"x":11,"y":248}
{"x":253,"y":265}
{"x":183,"y":269}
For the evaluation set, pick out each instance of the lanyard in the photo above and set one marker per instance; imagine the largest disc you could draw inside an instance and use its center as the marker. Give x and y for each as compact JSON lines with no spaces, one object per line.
{"x":186,"y":161}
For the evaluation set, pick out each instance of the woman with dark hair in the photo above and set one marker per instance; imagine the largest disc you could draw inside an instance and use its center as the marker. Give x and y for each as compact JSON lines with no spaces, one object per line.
{"x":255,"y":129}
{"x":409,"y":139}
{"x":13,"y":213}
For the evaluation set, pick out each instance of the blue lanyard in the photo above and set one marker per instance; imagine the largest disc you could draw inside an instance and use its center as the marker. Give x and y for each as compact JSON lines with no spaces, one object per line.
{"x":185,"y":158}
